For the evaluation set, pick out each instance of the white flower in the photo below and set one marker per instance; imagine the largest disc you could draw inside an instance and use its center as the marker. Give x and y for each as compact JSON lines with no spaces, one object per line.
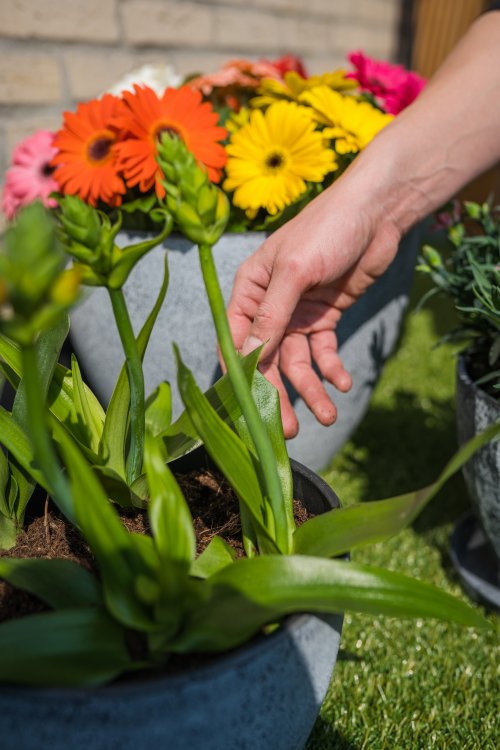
{"x":158,"y":77}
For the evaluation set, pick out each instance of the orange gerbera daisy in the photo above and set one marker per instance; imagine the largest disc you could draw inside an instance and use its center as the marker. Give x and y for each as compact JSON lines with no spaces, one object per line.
{"x":86,"y":164}
{"x":180,"y":111}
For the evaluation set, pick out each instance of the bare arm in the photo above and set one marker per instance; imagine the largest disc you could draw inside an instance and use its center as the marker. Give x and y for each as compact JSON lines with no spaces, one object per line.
{"x":292,"y":291}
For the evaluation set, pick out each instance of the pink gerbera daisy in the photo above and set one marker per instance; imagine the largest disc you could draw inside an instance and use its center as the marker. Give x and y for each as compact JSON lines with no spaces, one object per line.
{"x":30,"y":176}
{"x":392,"y":85}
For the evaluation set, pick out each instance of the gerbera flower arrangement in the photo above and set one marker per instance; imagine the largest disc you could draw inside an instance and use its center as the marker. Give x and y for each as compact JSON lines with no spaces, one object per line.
{"x":269,"y":133}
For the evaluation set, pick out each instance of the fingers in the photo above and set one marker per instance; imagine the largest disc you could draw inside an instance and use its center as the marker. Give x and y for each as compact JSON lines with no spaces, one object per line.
{"x":275,"y":309}
{"x":295,"y":363}
{"x":324,"y":352}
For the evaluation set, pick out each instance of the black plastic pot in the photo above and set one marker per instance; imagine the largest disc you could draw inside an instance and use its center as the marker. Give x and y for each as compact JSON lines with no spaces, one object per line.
{"x":475,"y":544}
{"x":263,"y":696}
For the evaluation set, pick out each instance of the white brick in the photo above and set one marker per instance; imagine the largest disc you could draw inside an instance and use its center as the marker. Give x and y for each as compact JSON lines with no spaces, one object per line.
{"x":174,"y":23}
{"x":303,"y":36}
{"x":21,"y":127}
{"x":187,"y":63}
{"x":376,"y":42}
{"x":90,"y":74}
{"x":92,"y":20}
{"x":29,"y":79}
{"x":247,"y":30}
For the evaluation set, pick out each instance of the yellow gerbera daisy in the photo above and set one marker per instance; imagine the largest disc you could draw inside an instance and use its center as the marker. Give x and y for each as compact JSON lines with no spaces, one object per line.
{"x":293,"y":85}
{"x":271,"y":158}
{"x":351,"y":122}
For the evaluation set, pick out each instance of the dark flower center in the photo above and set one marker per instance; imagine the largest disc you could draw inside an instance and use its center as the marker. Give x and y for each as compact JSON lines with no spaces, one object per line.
{"x":275,"y":161}
{"x":100,"y":148}
{"x":47,"y":170}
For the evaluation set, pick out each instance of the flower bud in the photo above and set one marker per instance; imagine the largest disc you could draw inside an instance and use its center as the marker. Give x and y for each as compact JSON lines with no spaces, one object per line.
{"x":432,"y":256}
{"x":66,"y":287}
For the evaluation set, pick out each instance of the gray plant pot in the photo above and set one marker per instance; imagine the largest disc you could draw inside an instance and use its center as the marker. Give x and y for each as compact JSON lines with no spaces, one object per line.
{"x":265,"y":695}
{"x":367,"y":333}
{"x":476,"y":409}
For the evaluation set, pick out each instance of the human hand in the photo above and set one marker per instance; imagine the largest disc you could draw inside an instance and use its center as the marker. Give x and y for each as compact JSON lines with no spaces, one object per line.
{"x":293,"y":290}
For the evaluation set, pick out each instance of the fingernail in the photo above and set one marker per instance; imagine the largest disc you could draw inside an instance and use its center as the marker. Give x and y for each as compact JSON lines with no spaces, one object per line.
{"x":251,"y":343}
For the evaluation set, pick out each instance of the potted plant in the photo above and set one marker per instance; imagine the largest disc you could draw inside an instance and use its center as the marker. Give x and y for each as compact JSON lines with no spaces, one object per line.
{"x":105,"y":153}
{"x":467,"y":271}
{"x":142,"y":601}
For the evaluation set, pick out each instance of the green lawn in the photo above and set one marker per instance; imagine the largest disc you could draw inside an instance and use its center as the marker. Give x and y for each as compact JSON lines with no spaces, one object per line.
{"x":411,"y":684}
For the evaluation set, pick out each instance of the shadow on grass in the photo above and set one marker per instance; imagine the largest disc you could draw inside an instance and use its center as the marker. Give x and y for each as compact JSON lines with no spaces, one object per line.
{"x":325,"y":737}
{"x":404,"y":448}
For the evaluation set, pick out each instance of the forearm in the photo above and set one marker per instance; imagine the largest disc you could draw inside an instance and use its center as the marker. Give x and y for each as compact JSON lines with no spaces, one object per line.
{"x":448,"y":136}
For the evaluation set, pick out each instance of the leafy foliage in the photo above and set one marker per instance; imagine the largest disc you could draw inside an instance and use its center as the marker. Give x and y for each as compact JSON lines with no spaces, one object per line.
{"x":468,"y":272}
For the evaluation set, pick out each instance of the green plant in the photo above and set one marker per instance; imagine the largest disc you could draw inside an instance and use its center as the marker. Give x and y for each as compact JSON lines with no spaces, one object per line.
{"x":468,"y":271}
{"x":153,"y":586}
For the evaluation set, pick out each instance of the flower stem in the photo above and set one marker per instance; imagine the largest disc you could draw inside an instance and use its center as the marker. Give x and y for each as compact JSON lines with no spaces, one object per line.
{"x":244,"y":396}
{"x":43,"y":449}
{"x":136,"y":383}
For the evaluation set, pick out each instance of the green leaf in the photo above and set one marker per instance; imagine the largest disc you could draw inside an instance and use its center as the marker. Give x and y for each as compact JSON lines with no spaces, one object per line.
{"x":72,"y":647}
{"x":120,"y":559}
{"x":251,"y":593}
{"x":4,"y":484}
{"x":15,"y":440}
{"x":169,"y":514}
{"x":338,"y":531}
{"x":8,"y":532}
{"x":266,"y":397}
{"x":132,"y":254}
{"x":62,"y":584}
{"x":47,"y":350}
{"x":159,"y":409}
{"x":181,"y":437}
{"x":216,"y":555}
{"x":90,"y":423}
{"x":60,"y":396}
{"x":226,"y":450}
{"x":114,"y":437}
{"x":117,"y":488}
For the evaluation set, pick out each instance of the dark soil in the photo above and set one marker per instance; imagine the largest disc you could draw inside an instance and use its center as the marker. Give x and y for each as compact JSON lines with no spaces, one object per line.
{"x":213,"y":504}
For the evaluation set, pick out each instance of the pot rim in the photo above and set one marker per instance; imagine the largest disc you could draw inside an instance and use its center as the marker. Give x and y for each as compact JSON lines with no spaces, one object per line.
{"x":464,"y":376}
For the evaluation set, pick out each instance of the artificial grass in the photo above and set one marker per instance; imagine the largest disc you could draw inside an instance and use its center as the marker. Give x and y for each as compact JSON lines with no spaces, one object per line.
{"x":408,"y":685}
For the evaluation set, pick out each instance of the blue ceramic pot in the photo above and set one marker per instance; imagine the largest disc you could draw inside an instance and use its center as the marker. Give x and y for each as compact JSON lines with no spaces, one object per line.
{"x":265,"y":695}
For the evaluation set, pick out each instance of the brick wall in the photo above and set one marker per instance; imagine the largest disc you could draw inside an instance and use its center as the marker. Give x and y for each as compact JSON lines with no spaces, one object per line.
{"x":54,"y":53}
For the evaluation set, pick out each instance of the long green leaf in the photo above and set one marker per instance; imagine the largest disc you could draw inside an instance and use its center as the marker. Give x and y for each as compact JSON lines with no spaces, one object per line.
{"x":338,"y":531}
{"x":72,"y":647}
{"x":47,"y":350}
{"x":251,"y":593}
{"x":62,"y":584}
{"x":114,"y":437}
{"x":169,"y":515}
{"x":159,"y":409}
{"x":60,"y":396}
{"x":4,"y":484}
{"x":17,"y":443}
{"x":181,"y":437}
{"x":121,"y":563}
{"x":227,"y":451}
{"x":90,"y":425}
{"x":267,"y":399}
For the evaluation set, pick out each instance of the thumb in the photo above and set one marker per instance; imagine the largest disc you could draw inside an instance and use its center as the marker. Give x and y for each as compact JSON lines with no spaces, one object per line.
{"x":274,"y":313}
